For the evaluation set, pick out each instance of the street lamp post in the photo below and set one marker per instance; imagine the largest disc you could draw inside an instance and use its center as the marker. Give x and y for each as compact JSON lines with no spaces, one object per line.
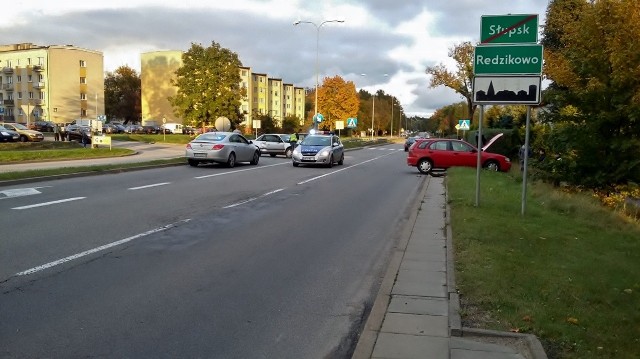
{"x":373,"y":110}
{"x":315,"y":123}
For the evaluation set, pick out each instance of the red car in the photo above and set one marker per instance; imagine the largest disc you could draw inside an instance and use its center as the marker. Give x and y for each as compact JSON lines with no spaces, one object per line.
{"x":441,"y":153}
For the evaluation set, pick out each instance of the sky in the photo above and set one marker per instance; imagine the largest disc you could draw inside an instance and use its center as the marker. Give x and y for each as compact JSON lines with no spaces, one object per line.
{"x":381,"y":45}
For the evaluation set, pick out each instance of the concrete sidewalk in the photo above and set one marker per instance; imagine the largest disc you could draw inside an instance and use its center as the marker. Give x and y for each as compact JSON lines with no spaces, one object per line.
{"x":416,"y":313}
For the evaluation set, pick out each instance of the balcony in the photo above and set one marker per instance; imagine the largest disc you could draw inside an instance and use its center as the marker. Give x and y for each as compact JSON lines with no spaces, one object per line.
{"x":38,"y":102}
{"x":38,"y":68}
{"x":38,"y":85}
{"x":7,"y":87}
{"x":8,"y":102}
{"x":7,"y":70}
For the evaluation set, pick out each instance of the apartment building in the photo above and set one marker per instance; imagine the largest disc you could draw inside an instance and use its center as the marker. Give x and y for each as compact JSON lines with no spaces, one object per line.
{"x":157,"y":70}
{"x":57,"y":83}
{"x":265,"y":95}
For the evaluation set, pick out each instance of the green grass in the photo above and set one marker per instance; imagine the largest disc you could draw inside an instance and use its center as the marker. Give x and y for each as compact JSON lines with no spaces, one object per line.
{"x":53,"y":151}
{"x":567,"y":271}
{"x":169,"y":138}
{"x":9,"y":176}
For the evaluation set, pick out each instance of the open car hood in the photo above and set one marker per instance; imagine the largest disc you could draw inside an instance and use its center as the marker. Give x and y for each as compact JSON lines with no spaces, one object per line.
{"x":492,"y":140}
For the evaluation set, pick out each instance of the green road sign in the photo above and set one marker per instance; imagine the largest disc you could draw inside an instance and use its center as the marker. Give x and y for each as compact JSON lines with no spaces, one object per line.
{"x":508,"y":59}
{"x":508,"y":29}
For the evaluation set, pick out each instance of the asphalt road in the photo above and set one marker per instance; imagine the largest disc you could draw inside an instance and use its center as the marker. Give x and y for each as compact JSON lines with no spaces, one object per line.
{"x":266,"y":261}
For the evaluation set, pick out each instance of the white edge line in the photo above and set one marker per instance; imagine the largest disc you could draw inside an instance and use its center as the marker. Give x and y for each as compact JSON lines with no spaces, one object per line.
{"x":49,"y":203}
{"x":148,"y":186}
{"x":98,"y":249}
{"x":253,"y":198}
{"x":243,"y":170}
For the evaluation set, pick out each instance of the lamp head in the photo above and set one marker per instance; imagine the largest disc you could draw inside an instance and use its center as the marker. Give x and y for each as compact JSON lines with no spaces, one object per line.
{"x":297,"y":22}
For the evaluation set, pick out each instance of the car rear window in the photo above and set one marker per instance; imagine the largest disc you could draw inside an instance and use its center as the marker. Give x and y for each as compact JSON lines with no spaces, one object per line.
{"x":211,"y":136}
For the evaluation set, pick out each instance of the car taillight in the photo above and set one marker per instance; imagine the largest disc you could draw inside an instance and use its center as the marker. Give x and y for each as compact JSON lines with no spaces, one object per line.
{"x":217,"y":147}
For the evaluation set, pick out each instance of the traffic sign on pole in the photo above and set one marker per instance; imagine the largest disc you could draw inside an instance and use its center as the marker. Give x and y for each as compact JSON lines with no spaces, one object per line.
{"x":508,"y":29}
{"x":508,"y":59}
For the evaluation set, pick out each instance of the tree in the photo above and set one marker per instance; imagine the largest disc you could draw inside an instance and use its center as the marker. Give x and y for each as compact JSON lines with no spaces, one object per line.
{"x":208,"y":85}
{"x":122,"y":94}
{"x":337,"y":101}
{"x":592,"y":58}
{"x":461,"y":81}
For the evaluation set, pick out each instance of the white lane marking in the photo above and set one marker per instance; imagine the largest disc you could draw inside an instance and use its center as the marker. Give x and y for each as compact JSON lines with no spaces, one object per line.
{"x":246,"y":169}
{"x":148,"y":186}
{"x":98,"y":249}
{"x":49,"y":203}
{"x":254,"y":198}
{"x":343,"y":169}
{"x":18,"y":192}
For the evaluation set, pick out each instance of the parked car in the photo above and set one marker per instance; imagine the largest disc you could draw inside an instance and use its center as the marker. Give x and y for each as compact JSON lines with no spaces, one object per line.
{"x":274,"y":144}
{"x":188,"y":130}
{"x":25,"y":133}
{"x":7,"y":135}
{"x":76,"y":132}
{"x":409,"y":141}
{"x":318,"y":150}
{"x":133,"y":129}
{"x":221,"y":147}
{"x":440,"y":153}
{"x":112,"y":128}
{"x":43,"y":126}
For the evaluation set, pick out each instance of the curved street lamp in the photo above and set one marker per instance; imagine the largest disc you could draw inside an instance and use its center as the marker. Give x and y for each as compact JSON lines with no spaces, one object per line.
{"x":315,"y":123}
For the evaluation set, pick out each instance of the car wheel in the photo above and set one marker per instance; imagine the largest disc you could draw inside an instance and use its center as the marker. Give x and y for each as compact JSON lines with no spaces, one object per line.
{"x":330,"y":164}
{"x":287,"y":152}
{"x":23,"y":138}
{"x":256,"y":158}
{"x":341,"y":162}
{"x":492,"y":166}
{"x":272,"y":154}
{"x":231,"y":161}
{"x":192,"y":163}
{"x":425,"y":166}
{"x":296,"y":164}
{"x":406,"y":149}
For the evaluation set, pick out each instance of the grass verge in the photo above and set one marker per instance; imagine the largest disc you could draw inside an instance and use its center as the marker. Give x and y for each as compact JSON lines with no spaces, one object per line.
{"x":567,"y":271}
{"x":52,"y":151}
{"x":10,"y":176}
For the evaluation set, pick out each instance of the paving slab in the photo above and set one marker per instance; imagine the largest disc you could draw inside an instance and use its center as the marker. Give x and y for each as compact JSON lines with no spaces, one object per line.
{"x":418,"y":305}
{"x":402,"y":346}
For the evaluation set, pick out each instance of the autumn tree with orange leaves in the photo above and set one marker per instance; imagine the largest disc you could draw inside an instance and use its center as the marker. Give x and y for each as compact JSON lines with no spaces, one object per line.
{"x":337,"y":101}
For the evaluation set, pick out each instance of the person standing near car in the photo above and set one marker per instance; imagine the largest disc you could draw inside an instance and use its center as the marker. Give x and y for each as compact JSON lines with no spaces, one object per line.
{"x":293,"y":140}
{"x":63,"y":132}
{"x":56,"y":132}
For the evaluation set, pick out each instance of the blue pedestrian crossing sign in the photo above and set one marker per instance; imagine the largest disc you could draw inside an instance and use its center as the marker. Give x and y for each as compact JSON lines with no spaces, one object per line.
{"x":352,"y":122}
{"x":464,"y":124}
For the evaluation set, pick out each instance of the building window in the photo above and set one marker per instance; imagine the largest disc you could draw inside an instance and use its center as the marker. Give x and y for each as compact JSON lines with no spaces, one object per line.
{"x":19,"y":95}
{"x":9,"y":79}
{"x":31,"y":95}
{"x":83,"y":80}
{"x":18,"y":78}
{"x":83,"y":113}
{"x":29,"y":61}
{"x":40,"y":77}
{"x":55,"y":109}
{"x":30,"y":78}
{"x":83,"y":63}
{"x":40,"y":61}
{"x":83,"y":96}
{"x":41,"y":95}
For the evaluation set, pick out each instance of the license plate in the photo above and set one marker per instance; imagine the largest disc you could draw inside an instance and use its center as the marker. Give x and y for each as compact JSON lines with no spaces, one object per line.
{"x":199,"y":155}
{"x":307,"y":158}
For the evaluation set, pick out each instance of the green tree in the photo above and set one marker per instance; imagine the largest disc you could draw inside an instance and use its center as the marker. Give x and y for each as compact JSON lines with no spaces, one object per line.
{"x":122,"y":94}
{"x":208,"y":86}
{"x":592,"y":57}
{"x":461,"y":81}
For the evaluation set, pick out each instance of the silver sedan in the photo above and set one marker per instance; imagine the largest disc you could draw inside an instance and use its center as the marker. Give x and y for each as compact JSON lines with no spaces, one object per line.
{"x":221,"y":147}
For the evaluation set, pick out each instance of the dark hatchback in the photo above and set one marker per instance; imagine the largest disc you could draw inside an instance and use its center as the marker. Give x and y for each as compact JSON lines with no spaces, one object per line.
{"x":7,"y":135}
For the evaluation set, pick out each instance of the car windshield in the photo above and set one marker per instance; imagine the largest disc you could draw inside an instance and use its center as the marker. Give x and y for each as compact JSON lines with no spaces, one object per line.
{"x":211,"y":136}
{"x":316,"y":141}
{"x":2,"y":128}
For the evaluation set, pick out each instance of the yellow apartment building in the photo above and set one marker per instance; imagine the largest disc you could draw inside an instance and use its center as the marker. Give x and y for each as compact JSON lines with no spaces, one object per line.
{"x":157,"y":70}
{"x":57,"y":83}
{"x":265,"y":96}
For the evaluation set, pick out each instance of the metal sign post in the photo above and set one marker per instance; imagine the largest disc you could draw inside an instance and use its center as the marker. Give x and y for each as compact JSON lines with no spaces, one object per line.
{"x":479,"y":161}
